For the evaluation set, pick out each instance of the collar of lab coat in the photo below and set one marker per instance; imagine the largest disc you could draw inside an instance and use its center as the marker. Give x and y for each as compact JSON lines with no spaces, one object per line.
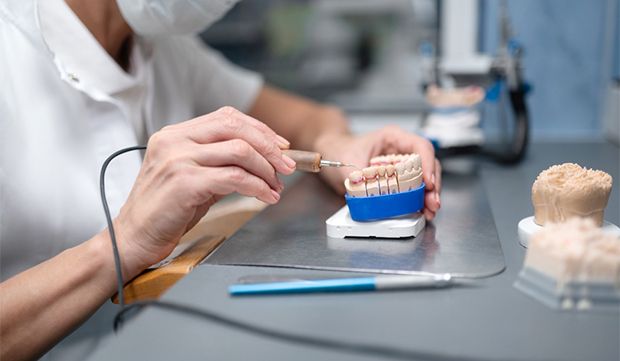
{"x":80,"y":59}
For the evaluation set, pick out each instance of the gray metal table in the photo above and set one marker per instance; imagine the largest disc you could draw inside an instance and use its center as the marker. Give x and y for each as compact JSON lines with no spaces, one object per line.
{"x":489,"y":321}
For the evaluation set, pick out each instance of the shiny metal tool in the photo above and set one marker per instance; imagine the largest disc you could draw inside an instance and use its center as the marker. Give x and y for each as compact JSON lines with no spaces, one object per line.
{"x":312,"y":161}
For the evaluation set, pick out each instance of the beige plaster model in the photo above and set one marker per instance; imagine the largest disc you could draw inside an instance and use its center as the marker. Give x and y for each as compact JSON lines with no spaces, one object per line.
{"x":457,"y":97}
{"x":387,"y":174}
{"x":569,"y":190}
{"x":575,"y":251}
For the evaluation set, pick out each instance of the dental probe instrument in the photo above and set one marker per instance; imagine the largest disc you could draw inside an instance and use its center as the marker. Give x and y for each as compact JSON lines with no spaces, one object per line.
{"x":312,"y":161}
{"x":375,"y":283}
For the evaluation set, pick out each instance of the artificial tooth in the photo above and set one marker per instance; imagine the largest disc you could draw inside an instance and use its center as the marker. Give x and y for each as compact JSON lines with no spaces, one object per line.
{"x":390,"y":173}
{"x":355,"y":185}
{"x":383,"y":183}
{"x":369,"y":172}
{"x":356,"y":176}
{"x":372,"y":184}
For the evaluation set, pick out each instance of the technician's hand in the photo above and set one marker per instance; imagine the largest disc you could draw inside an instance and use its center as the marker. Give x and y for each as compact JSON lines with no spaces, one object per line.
{"x":358,"y":150}
{"x":186,"y":169}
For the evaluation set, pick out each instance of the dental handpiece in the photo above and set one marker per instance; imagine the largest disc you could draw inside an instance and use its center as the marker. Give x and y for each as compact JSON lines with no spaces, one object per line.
{"x":311,"y":161}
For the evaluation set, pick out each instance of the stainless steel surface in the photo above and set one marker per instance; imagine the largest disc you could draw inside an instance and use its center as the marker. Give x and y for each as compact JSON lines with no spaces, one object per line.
{"x":462,"y":240}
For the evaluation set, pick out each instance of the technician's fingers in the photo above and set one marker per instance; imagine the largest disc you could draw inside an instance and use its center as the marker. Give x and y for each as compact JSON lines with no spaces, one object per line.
{"x":425,"y":149}
{"x":230,"y":124}
{"x":200,"y":212}
{"x":431,"y":201}
{"x":226,"y":180}
{"x":282,"y":143}
{"x":428,"y":214}
{"x":227,"y":111}
{"x":237,"y":152}
{"x":437,"y":176}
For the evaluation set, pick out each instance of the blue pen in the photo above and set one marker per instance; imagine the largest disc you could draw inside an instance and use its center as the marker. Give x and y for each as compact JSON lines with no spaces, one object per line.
{"x":375,"y":283}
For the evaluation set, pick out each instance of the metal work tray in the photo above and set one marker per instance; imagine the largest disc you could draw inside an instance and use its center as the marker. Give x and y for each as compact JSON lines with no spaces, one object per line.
{"x":462,"y":240}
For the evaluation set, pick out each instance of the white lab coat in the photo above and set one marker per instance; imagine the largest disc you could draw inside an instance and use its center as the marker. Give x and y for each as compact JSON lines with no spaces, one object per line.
{"x":65,"y":105}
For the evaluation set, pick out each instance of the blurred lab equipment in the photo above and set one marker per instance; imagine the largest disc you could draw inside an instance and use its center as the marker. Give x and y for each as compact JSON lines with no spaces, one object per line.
{"x":457,"y":131}
{"x":376,"y":60}
{"x":611,"y":72}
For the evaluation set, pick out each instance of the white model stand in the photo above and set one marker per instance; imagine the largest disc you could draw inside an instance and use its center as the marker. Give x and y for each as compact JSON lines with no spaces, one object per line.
{"x":527,"y":227}
{"x":340,"y":225}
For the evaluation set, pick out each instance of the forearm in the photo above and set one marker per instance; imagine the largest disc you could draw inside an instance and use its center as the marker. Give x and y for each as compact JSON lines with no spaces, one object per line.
{"x":297,"y":119}
{"x":40,"y":306}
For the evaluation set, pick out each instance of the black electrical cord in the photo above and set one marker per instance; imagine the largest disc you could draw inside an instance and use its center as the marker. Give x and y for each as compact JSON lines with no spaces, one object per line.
{"x":336,"y":345}
{"x":108,"y":218}
{"x":516,"y":150}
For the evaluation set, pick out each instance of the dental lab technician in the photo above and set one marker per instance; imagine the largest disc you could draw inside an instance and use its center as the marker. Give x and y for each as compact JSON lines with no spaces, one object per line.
{"x":81,"y":79}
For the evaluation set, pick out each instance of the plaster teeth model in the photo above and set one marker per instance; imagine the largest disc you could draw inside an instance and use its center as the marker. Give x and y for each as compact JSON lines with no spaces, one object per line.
{"x":411,"y":177}
{"x":392,"y":190}
{"x":388,"y":174}
{"x":457,"y":97}
{"x":567,"y":190}
{"x":575,"y":250}
{"x":575,"y":255}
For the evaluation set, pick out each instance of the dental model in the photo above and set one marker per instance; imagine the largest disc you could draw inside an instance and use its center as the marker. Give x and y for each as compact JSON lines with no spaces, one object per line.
{"x":410,"y":175}
{"x":575,"y":254}
{"x":457,"y":97}
{"x":567,"y":190}
{"x":387,"y":174}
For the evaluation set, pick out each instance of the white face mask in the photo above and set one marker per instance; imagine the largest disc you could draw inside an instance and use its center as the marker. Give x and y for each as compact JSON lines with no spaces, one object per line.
{"x":172,"y":17}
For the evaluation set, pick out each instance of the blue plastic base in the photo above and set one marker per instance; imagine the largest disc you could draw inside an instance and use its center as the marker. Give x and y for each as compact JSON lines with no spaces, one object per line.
{"x":374,"y":208}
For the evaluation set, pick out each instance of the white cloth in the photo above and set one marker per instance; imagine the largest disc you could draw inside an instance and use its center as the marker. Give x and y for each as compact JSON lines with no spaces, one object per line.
{"x":65,"y":105}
